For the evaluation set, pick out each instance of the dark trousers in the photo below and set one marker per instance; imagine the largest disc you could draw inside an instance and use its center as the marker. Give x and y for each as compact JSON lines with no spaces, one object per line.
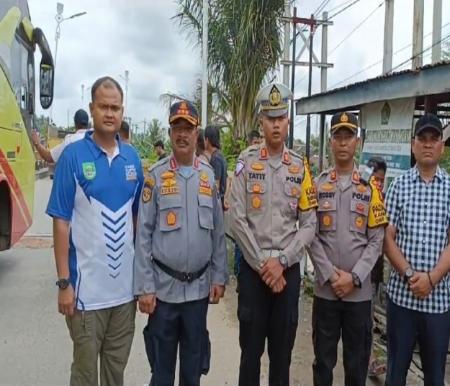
{"x":174,"y":324}
{"x":237,"y":258}
{"x":263,"y":314}
{"x":431,"y":331}
{"x":353,"y":320}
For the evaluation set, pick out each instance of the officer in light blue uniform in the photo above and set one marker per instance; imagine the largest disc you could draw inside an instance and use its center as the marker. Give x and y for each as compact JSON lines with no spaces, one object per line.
{"x":180,"y":263}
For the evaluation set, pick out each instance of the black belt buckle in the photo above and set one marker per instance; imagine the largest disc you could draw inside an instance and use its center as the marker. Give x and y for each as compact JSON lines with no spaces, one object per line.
{"x":189,"y":277}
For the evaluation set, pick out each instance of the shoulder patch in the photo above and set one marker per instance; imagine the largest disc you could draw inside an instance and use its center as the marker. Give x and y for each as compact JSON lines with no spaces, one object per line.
{"x":239,"y":167}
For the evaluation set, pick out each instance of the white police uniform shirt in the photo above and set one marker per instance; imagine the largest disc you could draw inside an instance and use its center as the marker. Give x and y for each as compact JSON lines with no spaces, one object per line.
{"x":99,"y":199}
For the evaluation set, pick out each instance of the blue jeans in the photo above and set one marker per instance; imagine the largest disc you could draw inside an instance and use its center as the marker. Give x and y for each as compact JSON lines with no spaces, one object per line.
{"x":432,"y":331}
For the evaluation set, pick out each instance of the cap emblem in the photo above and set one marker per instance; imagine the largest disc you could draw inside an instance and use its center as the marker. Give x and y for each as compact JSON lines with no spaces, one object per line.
{"x":274,"y":96}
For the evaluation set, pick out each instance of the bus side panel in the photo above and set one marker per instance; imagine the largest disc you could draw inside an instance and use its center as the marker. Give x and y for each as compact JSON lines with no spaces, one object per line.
{"x":21,"y":218}
{"x":16,"y":160}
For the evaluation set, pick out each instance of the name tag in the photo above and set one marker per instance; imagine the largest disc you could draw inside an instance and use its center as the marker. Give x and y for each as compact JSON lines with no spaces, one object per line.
{"x":130,"y":172}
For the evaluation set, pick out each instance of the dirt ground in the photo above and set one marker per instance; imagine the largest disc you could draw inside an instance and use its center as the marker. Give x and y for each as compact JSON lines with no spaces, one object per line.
{"x":302,"y":355}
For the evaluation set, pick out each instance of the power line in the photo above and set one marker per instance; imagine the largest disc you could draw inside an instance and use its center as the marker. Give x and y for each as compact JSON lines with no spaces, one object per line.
{"x":396,"y":52}
{"x":357,"y":27}
{"x":321,"y":7}
{"x":345,"y":8}
{"x":351,"y":33}
{"x":339,"y":5}
{"x":421,"y":52}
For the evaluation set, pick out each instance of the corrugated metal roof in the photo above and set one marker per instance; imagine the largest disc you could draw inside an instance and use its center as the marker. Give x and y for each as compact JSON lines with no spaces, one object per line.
{"x":427,"y":80}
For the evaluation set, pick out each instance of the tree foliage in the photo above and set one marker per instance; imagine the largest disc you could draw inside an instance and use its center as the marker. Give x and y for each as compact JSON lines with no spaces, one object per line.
{"x":244,"y":45}
{"x":143,"y":142}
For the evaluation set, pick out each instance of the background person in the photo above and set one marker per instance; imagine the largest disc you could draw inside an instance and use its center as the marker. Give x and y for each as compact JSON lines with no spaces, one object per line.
{"x":377,"y":366}
{"x":216,"y":159}
{"x":81,"y":121}
{"x":159,"y":149}
{"x":124,"y":132}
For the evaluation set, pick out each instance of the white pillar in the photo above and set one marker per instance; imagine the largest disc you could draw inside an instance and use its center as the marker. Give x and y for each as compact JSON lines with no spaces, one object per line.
{"x":417,"y":35}
{"x":437,"y":31}
{"x":388,"y":36}
{"x":205,"y":65}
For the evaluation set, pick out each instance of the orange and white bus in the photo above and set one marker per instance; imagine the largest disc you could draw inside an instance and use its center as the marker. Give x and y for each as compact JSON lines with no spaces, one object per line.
{"x":18,"y":41}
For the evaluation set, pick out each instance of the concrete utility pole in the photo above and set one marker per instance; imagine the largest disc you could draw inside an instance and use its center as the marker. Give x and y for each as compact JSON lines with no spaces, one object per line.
{"x":295,"y":60}
{"x":437,"y":31}
{"x":205,"y":65}
{"x":324,"y":53}
{"x":388,"y":36}
{"x":287,"y":43}
{"x":417,"y":47}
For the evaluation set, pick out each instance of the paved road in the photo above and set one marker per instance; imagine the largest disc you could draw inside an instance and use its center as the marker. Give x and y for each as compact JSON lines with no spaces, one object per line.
{"x":35,"y":347}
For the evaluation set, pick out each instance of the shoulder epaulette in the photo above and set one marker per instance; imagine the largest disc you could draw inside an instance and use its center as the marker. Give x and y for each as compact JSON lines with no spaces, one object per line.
{"x":295,"y":155}
{"x":204,"y":163}
{"x":157,"y":164}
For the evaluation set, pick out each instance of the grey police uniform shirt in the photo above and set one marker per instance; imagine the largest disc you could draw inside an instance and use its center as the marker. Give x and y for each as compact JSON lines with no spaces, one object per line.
{"x":180,"y":223}
{"x":264,"y":206}
{"x":343,"y":238}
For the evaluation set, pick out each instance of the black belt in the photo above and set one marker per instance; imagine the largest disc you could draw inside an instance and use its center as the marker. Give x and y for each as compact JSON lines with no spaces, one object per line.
{"x":181,"y":276}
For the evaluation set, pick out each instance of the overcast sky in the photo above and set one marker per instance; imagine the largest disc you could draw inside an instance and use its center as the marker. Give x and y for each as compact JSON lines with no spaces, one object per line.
{"x":140,"y":36}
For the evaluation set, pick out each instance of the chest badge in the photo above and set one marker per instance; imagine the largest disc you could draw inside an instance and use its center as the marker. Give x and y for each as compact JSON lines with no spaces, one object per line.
{"x":258,"y":166}
{"x":326,"y":205}
{"x":360,"y":207}
{"x":294,"y":169}
{"x":362,"y":189}
{"x":327,"y":187}
{"x":204,"y":177}
{"x":167,"y":175}
{"x":359,"y":222}
{"x":256,"y":202}
{"x":257,"y":188}
{"x":171,"y":219}
{"x":327,"y":220}
{"x":89,"y":171}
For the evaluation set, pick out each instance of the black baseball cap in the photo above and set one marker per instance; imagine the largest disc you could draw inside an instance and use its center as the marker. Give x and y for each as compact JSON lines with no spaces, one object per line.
{"x":428,"y":121}
{"x":81,"y":117}
{"x":344,"y":119}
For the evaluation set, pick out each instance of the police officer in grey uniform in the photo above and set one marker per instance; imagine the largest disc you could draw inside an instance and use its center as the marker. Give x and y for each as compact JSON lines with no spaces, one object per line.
{"x":349,"y":238}
{"x":180,"y":262}
{"x":271,"y":191}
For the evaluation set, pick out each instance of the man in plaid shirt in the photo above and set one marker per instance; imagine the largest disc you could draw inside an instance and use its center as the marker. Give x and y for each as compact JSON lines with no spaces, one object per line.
{"x":416,"y":243}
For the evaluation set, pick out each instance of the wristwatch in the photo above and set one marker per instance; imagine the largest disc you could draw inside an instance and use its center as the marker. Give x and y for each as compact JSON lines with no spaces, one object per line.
{"x":356,"y":280}
{"x":63,"y":283}
{"x":409,"y":273}
{"x":283,"y":261}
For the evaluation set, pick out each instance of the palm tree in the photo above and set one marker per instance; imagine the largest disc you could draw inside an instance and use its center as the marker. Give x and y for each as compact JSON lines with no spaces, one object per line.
{"x":244,"y":45}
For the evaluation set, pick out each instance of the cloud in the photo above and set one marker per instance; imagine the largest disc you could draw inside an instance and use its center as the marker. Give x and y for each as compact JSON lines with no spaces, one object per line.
{"x":142,"y":37}
{"x":111,"y":38}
